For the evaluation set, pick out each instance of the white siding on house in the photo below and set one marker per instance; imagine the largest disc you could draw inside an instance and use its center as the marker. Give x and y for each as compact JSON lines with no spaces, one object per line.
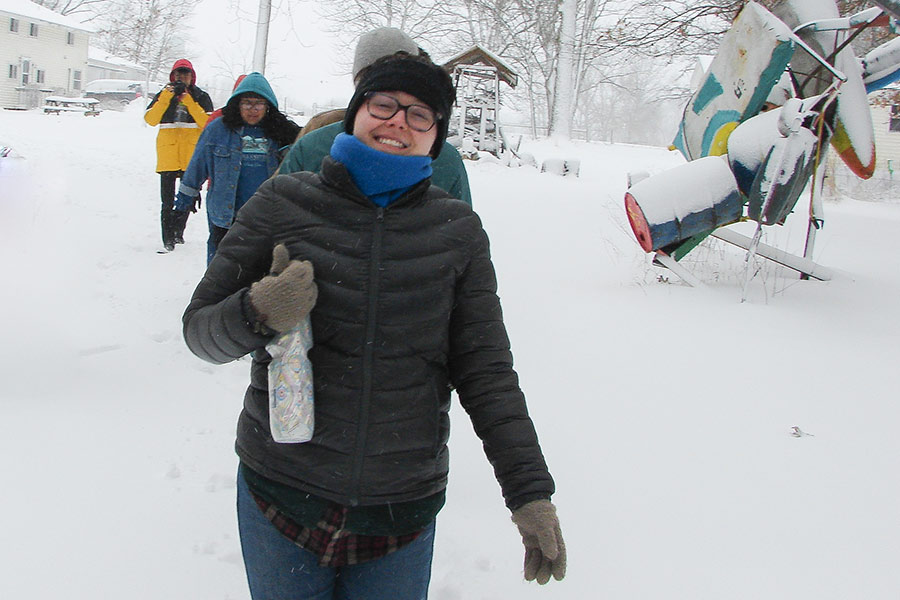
{"x":48,"y":55}
{"x":103,"y":65}
{"x":885,"y":182}
{"x":887,"y":142}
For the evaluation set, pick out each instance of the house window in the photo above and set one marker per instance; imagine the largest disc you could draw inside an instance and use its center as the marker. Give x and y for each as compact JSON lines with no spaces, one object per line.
{"x":13,"y":25}
{"x":895,"y":118}
{"x":26,"y":71}
{"x":13,"y":71}
{"x":70,"y":38}
{"x":76,"y":80}
{"x":32,"y":31}
{"x":40,"y":76}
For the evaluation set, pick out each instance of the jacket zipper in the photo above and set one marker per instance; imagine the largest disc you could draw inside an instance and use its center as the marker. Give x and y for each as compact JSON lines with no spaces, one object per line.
{"x":368,"y":353}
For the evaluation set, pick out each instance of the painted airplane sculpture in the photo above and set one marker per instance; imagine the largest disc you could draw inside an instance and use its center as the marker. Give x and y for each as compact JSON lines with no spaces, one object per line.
{"x":750,"y":163}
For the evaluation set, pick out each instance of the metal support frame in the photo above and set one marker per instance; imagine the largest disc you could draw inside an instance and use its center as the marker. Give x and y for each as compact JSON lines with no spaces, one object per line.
{"x":803,"y":265}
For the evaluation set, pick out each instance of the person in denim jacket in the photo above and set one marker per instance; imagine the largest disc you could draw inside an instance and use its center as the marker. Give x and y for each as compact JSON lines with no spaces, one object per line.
{"x":236,"y":153}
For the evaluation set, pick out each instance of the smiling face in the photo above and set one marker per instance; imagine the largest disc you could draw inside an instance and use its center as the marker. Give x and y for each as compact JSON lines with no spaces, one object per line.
{"x":393,"y":135}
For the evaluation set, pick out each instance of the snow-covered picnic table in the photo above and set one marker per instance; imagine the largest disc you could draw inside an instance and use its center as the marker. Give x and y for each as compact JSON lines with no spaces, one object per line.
{"x":60,"y":104}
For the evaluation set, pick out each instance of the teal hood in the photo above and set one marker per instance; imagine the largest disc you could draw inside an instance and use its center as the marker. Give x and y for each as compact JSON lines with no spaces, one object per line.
{"x":255,"y":83}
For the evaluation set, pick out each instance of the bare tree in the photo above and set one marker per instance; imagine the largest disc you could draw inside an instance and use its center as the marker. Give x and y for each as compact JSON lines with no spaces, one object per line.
{"x":530,"y":35}
{"x":632,"y":100}
{"x":610,"y":38}
{"x":564,"y":84}
{"x":72,"y":7}
{"x":690,"y":27}
{"x":147,"y":32}
{"x":525,"y":33}
{"x":669,"y":33}
{"x":417,"y":18}
{"x":668,"y":28}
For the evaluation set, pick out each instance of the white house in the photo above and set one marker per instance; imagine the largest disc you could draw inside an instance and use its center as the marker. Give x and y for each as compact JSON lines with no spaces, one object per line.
{"x":885,"y":182}
{"x":103,"y":65}
{"x":41,"y":52}
{"x":885,"y":105}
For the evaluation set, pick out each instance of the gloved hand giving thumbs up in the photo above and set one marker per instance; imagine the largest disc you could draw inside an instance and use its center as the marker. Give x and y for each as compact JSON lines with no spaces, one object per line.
{"x":286,"y":295}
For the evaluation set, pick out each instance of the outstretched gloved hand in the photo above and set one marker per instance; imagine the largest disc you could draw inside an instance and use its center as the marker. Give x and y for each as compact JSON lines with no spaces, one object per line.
{"x":545,"y":550}
{"x":286,"y":295}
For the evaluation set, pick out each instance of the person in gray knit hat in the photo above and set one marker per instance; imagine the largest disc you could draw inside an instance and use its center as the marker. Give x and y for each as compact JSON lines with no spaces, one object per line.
{"x":371,"y":46}
{"x":317,"y":136}
{"x":396,"y":282}
{"x":380,"y":42}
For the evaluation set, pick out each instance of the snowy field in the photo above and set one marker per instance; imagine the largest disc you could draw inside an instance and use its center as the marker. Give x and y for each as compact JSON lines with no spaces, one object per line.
{"x":664,"y":411}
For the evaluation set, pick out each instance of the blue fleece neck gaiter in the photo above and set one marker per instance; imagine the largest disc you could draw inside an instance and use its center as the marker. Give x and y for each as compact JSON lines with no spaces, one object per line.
{"x":382,"y":177}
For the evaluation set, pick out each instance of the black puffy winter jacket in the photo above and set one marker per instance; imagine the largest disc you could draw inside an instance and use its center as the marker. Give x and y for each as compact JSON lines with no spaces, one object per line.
{"x":407,"y":310}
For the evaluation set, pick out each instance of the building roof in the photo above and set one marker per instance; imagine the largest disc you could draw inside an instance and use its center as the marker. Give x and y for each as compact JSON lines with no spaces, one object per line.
{"x":30,"y":10}
{"x":98,"y":55}
{"x":477,"y":55}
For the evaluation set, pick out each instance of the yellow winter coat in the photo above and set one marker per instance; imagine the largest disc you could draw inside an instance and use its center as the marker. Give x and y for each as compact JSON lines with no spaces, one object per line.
{"x":176,"y":140}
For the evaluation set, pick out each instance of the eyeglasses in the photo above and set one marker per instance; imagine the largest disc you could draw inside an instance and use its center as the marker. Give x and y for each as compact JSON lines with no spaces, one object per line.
{"x":384,"y":107}
{"x":183,"y":71}
{"x":254,"y":104}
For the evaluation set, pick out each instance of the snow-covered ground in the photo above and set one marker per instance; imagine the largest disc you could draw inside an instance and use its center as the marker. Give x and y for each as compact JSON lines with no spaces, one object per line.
{"x":664,"y":411}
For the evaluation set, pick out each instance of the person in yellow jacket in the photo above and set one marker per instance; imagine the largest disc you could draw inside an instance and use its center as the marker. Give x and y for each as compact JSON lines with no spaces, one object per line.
{"x":180,"y":109}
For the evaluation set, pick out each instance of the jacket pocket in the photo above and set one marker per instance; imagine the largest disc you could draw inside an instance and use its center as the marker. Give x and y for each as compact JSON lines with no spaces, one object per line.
{"x":439,"y":419}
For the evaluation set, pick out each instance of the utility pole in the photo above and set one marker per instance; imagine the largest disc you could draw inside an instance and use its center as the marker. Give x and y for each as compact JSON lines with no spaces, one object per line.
{"x":262,"y":36}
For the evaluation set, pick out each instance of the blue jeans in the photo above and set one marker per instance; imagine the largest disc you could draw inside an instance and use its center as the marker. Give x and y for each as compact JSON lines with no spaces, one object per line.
{"x":278,"y":569}
{"x":216,"y":234}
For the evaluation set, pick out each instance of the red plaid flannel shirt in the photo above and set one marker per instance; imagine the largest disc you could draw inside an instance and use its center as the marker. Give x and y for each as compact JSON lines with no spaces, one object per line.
{"x":334,"y":545}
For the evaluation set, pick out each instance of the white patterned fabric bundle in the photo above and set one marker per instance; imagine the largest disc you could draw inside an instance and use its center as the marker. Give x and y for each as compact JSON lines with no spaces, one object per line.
{"x":291,"y":415}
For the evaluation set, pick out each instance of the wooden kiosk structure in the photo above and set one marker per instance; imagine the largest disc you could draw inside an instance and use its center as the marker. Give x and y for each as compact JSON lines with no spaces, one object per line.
{"x":477,"y":74}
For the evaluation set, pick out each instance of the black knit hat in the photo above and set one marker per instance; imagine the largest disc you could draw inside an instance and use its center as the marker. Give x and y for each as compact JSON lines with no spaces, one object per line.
{"x":415,"y":75}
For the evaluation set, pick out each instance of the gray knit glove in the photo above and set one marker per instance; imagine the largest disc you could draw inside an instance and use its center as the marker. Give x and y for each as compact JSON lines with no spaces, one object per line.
{"x":285,"y":296}
{"x":545,"y":550}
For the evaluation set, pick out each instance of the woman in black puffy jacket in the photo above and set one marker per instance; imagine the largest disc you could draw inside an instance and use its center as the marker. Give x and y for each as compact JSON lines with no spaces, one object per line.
{"x":397,"y":280}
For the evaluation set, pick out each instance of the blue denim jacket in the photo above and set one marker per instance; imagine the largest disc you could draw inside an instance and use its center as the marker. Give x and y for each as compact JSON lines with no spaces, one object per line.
{"x":217,"y":157}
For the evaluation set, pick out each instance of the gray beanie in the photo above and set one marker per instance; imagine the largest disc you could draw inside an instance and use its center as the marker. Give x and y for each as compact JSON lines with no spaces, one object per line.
{"x":380,"y":42}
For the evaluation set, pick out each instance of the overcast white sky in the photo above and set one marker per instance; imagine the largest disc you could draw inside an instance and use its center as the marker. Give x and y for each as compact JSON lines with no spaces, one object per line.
{"x":304,"y":64}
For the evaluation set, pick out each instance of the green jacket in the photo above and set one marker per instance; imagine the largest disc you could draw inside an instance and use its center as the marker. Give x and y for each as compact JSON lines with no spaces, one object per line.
{"x":307,"y":153}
